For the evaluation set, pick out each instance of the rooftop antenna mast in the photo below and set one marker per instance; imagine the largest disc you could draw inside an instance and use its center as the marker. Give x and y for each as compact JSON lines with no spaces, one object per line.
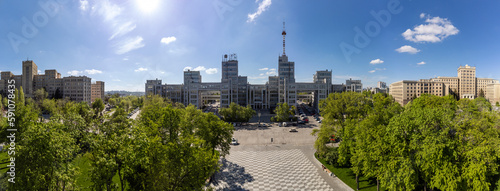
{"x":284,"y":34}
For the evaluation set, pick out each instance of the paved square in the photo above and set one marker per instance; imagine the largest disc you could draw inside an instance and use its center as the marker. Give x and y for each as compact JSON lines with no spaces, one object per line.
{"x":269,"y":170}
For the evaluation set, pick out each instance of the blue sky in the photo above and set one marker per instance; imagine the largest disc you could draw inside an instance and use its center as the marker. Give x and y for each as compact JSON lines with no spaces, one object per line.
{"x":124,"y":43}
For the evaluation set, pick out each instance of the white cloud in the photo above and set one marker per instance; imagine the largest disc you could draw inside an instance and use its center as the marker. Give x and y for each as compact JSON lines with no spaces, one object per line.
{"x":108,"y":10}
{"x":376,"y":61}
{"x":74,"y":72}
{"x":421,"y":63}
{"x":129,"y":45}
{"x":272,"y":72}
{"x":168,"y":40}
{"x":257,"y":77}
{"x":116,"y":80}
{"x":93,"y":71}
{"x":141,"y":69}
{"x":187,"y":68}
{"x":211,"y":71}
{"x":435,"y":30}
{"x":39,"y":71}
{"x":376,"y":69}
{"x":264,"y":69}
{"x":199,"y":68}
{"x":262,"y":7}
{"x":422,"y":15}
{"x":84,"y":5}
{"x":408,"y":49}
{"x":123,"y":29}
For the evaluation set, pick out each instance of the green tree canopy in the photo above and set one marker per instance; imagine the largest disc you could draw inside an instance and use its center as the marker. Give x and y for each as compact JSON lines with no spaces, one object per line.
{"x":237,"y":113}
{"x":283,"y":112}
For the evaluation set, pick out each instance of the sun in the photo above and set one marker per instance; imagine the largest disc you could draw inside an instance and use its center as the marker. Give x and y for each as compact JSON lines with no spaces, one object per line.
{"x":147,"y":6}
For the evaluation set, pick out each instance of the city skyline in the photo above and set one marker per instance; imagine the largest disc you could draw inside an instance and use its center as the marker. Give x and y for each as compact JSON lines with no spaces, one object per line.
{"x":126,"y":43}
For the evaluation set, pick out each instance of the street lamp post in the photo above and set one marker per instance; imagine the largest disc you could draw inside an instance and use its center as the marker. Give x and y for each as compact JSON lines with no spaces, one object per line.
{"x":259,"y":117}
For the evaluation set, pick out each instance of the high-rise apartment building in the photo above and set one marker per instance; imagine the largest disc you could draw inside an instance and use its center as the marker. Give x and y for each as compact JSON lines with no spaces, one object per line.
{"x":97,"y":91}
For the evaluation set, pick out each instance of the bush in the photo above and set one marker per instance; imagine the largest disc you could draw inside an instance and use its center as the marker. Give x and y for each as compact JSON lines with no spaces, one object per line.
{"x":331,"y":156}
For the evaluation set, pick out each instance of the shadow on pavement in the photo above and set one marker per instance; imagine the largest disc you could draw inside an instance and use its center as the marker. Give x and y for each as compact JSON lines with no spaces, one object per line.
{"x":233,"y":175}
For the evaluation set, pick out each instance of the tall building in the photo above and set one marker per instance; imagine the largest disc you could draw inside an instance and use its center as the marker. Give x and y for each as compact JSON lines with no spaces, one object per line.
{"x":467,"y":81}
{"x":29,"y":71}
{"x":97,"y":91}
{"x":353,"y":85}
{"x":76,"y":88}
{"x":381,"y":85}
{"x":235,"y":88}
{"x":493,"y":92}
{"x":465,"y":86}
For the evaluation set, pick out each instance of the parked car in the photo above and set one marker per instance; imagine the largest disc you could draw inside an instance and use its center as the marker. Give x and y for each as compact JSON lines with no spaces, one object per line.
{"x":293,"y":130}
{"x":306,"y":120}
{"x":285,"y":124}
{"x":234,"y":141}
{"x":301,"y":122}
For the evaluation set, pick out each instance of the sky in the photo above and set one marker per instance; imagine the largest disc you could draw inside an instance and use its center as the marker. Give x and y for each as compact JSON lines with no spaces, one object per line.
{"x":126,"y":42}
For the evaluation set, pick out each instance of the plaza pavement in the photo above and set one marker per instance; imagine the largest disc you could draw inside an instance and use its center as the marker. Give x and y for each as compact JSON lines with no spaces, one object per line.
{"x":286,"y":163}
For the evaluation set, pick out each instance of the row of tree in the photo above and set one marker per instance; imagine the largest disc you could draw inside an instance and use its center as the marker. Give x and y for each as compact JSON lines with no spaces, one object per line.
{"x":432,"y":143}
{"x":237,"y":113}
{"x":167,"y":148}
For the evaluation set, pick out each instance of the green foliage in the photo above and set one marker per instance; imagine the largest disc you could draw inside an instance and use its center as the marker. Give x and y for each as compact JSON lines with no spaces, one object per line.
{"x":40,"y":95}
{"x":98,"y":106}
{"x":434,"y":143}
{"x":283,"y":112}
{"x":237,"y":113}
{"x":44,"y":153}
{"x":174,"y":148}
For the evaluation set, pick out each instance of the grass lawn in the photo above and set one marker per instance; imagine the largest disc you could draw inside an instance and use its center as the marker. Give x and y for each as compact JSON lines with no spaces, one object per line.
{"x":348,"y":177}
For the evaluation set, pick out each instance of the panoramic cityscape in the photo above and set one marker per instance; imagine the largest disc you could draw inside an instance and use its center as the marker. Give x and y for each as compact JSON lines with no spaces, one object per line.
{"x":249,"y":95}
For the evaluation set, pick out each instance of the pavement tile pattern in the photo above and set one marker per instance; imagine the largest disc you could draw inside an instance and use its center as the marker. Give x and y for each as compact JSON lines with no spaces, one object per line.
{"x":269,"y":170}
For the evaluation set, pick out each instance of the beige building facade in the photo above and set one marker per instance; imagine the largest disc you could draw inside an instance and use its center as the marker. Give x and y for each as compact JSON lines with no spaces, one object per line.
{"x":76,"y":88}
{"x":465,"y":86}
{"x":97,"y":91}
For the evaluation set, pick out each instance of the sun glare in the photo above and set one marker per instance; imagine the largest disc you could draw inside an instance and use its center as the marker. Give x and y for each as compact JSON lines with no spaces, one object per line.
{"x":147,"y":6}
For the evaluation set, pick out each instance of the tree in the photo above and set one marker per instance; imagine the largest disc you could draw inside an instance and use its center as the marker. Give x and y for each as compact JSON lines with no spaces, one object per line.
{"x":112,"y":101}
{"x":371,"y":149}
{"x":58,"y":94}
{"x":481,"y":93}
{"x":40,"y":94}
{"x":109,"y":152}
{"x":45,"y":153}
{"x":237,"y":113}
{"x":173,"y":148}
{"x":283,"y":112}
{"x":98,"y":106}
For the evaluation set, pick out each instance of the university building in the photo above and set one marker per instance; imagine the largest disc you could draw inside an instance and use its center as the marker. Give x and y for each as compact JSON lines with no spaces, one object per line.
{"x":75,"y":88}
{"x":235,"y":88}
{"x":465,"y":86}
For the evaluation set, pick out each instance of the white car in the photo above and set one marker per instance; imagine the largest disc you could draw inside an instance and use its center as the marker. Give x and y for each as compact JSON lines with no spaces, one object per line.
{"x":234,"y":141}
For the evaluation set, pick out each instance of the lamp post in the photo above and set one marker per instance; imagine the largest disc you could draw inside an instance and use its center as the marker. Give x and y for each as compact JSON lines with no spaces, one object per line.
{"x":259,"y":116}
